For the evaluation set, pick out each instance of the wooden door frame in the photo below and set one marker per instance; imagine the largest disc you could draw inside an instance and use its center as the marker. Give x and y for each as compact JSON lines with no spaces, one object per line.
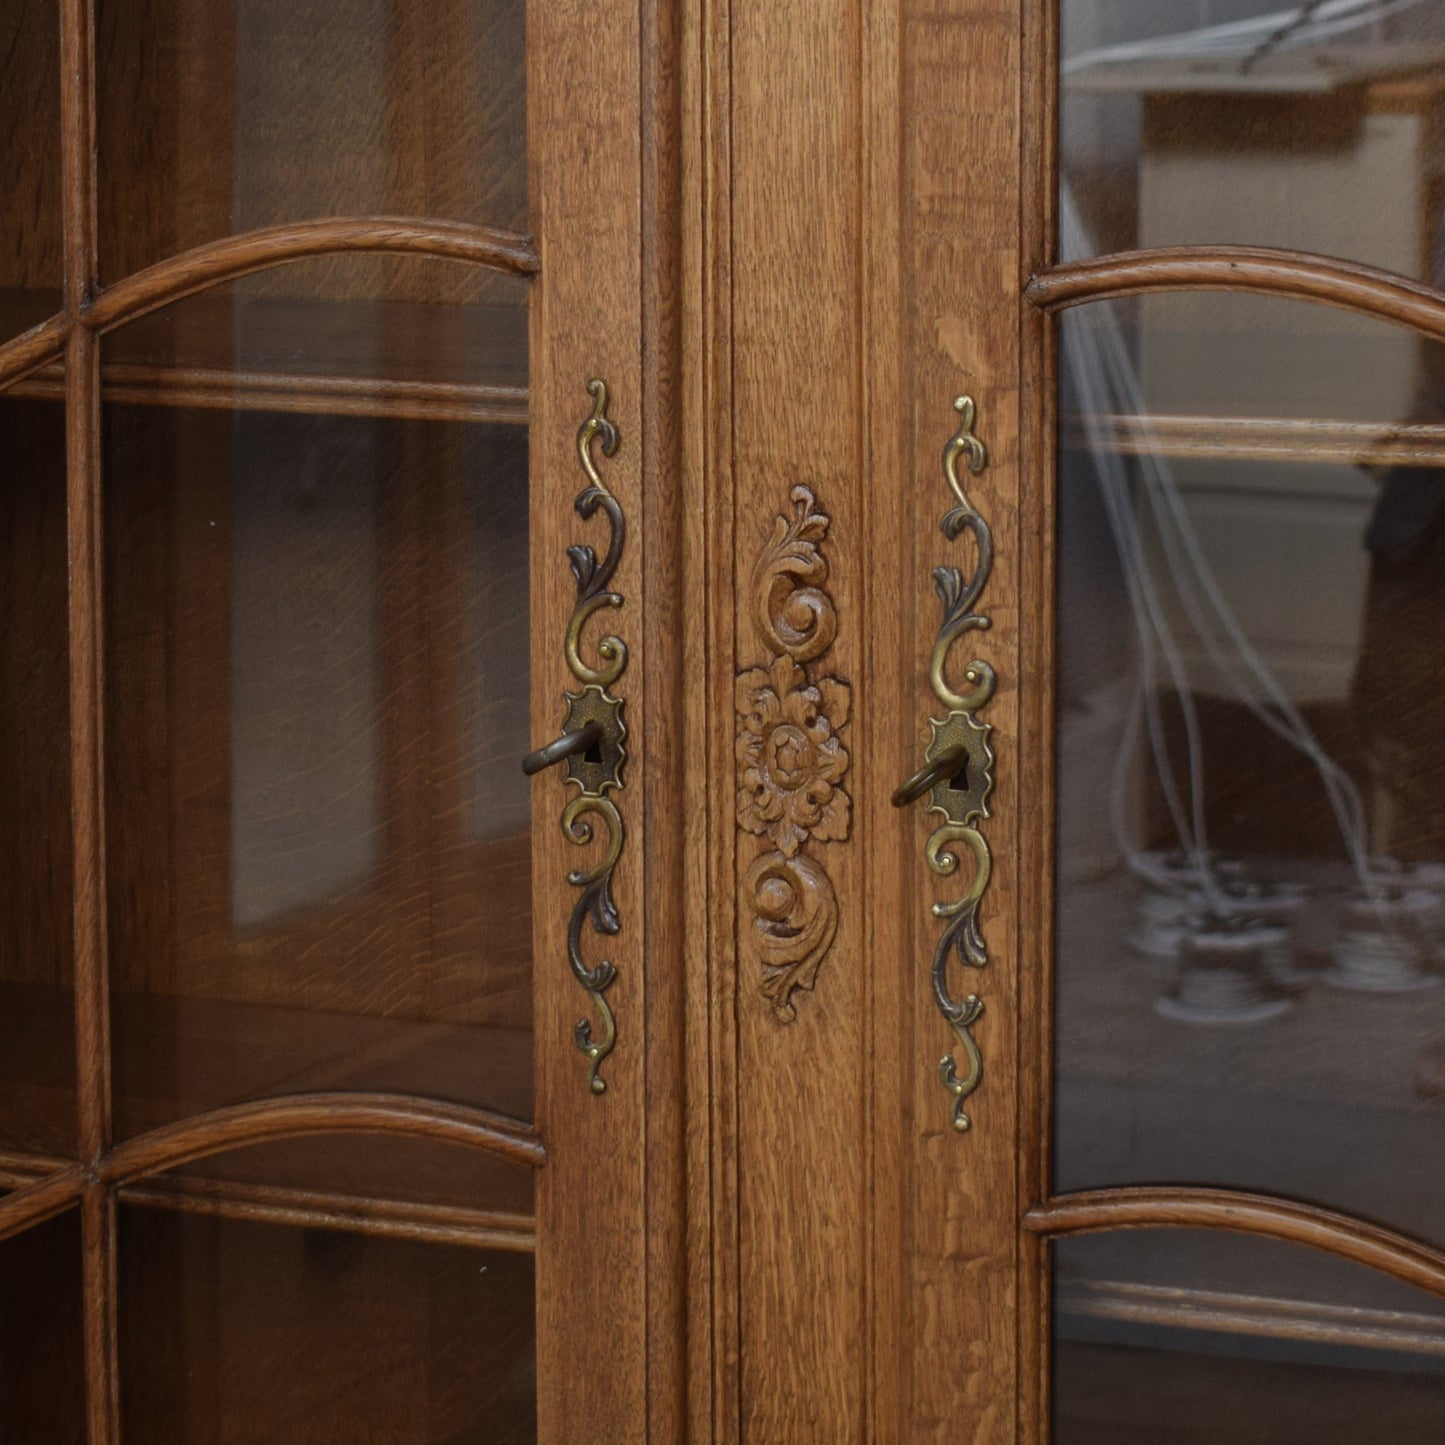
{"x":603,"y":147}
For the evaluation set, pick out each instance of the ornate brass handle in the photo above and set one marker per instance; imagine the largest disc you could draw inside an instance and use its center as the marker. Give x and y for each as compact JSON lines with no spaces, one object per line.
{"x":592,"y":740}
{"x":958,"y":773}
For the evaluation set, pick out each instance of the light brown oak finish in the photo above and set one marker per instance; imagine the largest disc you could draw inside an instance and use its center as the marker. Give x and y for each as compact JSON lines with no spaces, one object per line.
{"x":1351,"y":1238}
{"x":1277,"y":439}
{"x":1258,"y":269}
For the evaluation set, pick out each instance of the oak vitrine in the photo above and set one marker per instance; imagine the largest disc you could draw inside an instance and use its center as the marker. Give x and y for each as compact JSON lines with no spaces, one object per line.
{"x":943,"y":497}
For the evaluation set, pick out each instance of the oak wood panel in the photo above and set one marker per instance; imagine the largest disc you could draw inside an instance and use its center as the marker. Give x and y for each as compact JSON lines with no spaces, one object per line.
{"x":593,"y":1249}
{"x":886,"y":750}
{"x":708,"y":525}
{"x":964,"y":176}
{"x":802,"y":1100}
{"x":1260,"y":269}
{"x":675,"y":1356}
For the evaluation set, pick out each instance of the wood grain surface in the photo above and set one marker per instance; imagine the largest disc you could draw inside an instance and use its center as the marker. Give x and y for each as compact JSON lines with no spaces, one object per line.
{"x":795,"y":198}
{"x":1259,"y":269}
{"x":1345,"y":1235}
{"x":600,"y":1265}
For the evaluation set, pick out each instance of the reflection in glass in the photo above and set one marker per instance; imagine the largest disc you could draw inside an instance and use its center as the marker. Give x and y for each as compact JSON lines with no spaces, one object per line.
{"x":30,"y":241}
{"x":235,"y":1332}
{"x":42,"y":1360}
{"x":1184,"y":1336}
{"x":216,"y":120}
{"x":317,"y":647}
{"x":304,"y":609}
{"x":1244,"y":121}
{"x":37,"y":1052}
{"x":1252,"y":814}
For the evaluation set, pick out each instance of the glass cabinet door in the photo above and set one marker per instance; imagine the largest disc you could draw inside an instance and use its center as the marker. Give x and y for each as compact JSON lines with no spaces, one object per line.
{"x":302,"y":365}
{"x":1249,"y":958}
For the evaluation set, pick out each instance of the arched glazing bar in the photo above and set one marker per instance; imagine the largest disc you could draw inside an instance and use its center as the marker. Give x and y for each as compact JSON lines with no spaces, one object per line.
{"x":236,"y":256}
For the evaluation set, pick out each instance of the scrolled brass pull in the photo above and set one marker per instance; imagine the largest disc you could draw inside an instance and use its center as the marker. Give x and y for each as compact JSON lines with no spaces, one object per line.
{"x":558,"y":751}
{"x":959,"y":770}
{"x":592,"y":743}
{"x":948,"y":764}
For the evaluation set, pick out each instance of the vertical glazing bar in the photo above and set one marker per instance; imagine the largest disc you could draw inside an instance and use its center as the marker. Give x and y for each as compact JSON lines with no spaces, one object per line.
{"x":102,"y":1383}
{"x":83,"y":511}
{"x":1038,"y":249}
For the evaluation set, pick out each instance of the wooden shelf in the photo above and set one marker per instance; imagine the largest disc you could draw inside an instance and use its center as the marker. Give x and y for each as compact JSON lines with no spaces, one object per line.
{"x":326,"y":1209}
{"x":1254,"y":1316}
{"x":175,"y":1058}
{"x":1269,"y":439}
{"x":232,"y":352}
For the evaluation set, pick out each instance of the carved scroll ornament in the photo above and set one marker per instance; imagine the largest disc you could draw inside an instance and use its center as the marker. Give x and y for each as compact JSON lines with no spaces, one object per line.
{"x":790,"y":758}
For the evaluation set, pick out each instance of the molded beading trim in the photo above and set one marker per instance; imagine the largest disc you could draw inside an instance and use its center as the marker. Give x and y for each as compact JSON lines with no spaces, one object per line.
{"x":1260,"y":269}
{"x":1387,"y":1250}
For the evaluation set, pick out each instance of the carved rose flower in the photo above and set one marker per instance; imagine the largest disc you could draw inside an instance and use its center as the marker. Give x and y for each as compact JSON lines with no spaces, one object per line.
{"x":790,"y":760}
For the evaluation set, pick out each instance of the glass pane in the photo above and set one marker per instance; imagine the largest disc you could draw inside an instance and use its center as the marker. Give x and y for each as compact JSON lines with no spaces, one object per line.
{"x":37,"y":1049}
{"x":373,"y":1176}
{"x":30,"y":230}
{"x":1252,"y":812}
{"x":42,"y":1365}
{"x":338,"y":336}
{"x":241,"y":1332}
{"x":1228,"y":364}
{"x":320,"y":863}
{"x":1212,"y":121}
{"x":217,"y":119}
{"x":1186,"y":1336}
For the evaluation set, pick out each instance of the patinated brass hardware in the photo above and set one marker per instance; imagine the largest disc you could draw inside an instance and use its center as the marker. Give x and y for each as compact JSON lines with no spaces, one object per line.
{"x":562,"y":749}
{"x":947,"y":765}
{"x":958,"y":773}
{"x":592,"y":740}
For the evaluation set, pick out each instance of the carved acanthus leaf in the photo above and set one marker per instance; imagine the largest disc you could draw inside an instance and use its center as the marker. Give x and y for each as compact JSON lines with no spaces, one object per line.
{"x":791,"y":759}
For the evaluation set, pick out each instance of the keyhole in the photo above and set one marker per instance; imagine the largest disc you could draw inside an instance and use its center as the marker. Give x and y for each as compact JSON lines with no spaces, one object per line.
{"x":958,"y":779}
{"x":593,"y":755}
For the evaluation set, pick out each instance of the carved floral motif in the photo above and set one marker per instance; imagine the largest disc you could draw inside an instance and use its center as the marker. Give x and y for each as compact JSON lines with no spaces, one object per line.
{"x":790,"y":757}
{"x":790,"y":760}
